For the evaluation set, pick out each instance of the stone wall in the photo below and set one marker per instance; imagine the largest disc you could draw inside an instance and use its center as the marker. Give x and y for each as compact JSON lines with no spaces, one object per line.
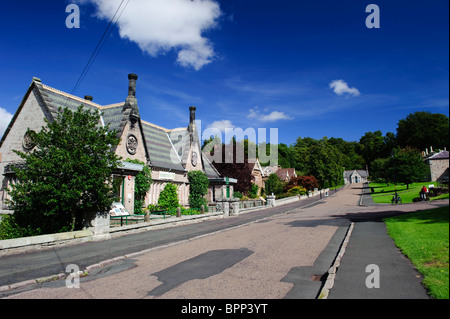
{"x":31,"y":116}
{"x":438,"y":169}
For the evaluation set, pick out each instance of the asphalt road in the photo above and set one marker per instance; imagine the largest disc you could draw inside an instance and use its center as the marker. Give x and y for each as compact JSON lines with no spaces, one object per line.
{"x":282,"y":252}
{"x":43,"y":263}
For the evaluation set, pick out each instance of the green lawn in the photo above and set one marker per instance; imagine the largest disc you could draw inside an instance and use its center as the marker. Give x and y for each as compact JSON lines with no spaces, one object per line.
{"x":423,"y":237}
{"x":383,"y":193}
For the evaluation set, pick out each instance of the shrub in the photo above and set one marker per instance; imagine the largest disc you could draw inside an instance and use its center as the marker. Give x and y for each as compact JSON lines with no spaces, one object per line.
{"x":238,"y":195}
{"x":168,"y":199}
{"x":274,"y":185}
{"x":307,"y":182}
{"x":253,"y":192}
{"x":9,"y":229}
{"x":297,"y":190}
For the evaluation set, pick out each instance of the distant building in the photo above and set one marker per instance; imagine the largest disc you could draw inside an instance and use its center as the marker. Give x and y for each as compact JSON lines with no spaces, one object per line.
{"x":285,"y":174}
{"x":356,"y":176}
{"x":439,"y":166}
{"x":256,"y":172}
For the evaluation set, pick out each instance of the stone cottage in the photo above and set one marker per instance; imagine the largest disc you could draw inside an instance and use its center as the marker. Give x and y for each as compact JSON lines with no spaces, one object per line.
{"x":438,"y":163}
{"x":257,"y":174}
{"x":356,"y":176}
{"x":170,"y":153}
{"x":285,"y":174}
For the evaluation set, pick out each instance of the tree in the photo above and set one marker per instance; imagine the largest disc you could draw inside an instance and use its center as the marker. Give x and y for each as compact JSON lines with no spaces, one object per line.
{"x":307,"y":182}
{"x":348,"y":153}
{"x":142,"y":184}
{"x":231,"y":166}
{"x":325,"y":163}
{"x":198,"y":188}
{"x":407,"y":166}
{"x":274,"y":185}
{"x":168,"y":199}
{"x":381,"y":170}
{"x":67,"y":174}
{"x":372,"y":144}
{"x":285,"y":156}
{"x":423,"y":129}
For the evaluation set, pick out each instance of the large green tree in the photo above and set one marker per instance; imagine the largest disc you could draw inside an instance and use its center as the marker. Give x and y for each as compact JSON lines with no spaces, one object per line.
{"x":67,"y":174}
{"x":323,"y":161}
{"x":407,"y":166}
{"x":424,"y":129}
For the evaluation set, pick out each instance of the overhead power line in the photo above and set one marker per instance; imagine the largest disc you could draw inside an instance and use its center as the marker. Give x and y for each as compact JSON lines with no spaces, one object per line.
{"x":100,"y":44}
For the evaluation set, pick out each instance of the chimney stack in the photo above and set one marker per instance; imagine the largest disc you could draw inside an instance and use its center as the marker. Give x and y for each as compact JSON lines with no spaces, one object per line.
{"x":130,"y":101}
{"x":132,"y":84}
{"x":192,"y":114}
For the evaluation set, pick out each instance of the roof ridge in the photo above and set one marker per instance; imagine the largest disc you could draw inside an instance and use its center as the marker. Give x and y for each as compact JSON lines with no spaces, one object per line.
{"x":98,"y":106}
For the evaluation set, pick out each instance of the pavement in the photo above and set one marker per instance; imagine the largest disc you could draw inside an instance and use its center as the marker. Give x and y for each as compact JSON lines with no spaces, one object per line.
{"x":372,"y":267}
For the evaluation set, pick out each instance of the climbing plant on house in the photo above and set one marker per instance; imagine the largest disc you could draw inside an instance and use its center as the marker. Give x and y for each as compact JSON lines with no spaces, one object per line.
{"x":142,"y":184}
{"x":198,"y":188}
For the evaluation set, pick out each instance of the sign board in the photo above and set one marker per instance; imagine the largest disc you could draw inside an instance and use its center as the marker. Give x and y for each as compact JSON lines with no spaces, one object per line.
{"x":118,"y":209}
{"x":166,"y":175}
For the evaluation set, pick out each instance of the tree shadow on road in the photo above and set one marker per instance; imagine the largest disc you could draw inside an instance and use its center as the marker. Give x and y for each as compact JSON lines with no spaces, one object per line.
{"x":200,"y":267}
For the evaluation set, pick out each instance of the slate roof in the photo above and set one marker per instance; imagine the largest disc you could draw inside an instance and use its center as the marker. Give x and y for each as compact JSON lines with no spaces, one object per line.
{"x":285,"y":173}
{"x":440,"y":155}
{"x":163,"y":145}
{"x":361,"y":173}
{"x":161,"y":148}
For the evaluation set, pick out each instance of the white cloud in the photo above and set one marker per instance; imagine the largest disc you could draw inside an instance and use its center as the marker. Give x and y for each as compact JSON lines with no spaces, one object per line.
{"x":221,"y":125}
{"x":158,"y":26}
{"x":5,"y":118}
{"x":254,"y":113}
{"x":341,"y":87}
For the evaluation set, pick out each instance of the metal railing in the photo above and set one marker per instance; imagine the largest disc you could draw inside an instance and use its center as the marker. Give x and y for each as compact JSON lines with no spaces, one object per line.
{"x":251,"y":204}
{"x":160,"y":214}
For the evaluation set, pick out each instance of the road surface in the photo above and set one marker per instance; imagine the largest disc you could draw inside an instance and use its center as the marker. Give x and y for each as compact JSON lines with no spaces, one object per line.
{"x":270,"y":254}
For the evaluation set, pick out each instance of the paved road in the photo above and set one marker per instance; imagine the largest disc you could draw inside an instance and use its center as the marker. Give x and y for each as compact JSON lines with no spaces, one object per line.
{"x":271,"y":254}
{"x":38,"y":264}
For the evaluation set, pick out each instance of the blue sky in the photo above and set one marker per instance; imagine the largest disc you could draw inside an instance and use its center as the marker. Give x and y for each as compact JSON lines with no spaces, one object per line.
{"x":307,"y":68}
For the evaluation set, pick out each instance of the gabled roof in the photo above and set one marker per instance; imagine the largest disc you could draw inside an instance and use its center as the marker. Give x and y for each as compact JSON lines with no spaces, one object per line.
{"x":284,"y":173}
{"x":161,"y":148}
{"x":253,"y":164}
{"x":268,"y":170}
{"x":163,"y":145}
{"x":361,"y":172}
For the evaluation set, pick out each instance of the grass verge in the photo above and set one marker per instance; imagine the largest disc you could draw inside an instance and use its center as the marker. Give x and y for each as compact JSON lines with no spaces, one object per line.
{"x":423,"y":237}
